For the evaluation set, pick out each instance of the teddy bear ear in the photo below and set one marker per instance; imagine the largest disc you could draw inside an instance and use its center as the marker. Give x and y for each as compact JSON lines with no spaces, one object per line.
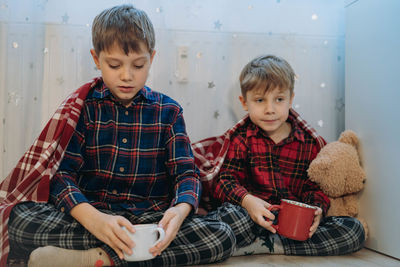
{"x":349,"y":137}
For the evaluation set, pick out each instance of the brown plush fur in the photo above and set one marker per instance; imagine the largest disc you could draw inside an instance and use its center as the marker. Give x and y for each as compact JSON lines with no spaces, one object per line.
{"x":337,"y":170}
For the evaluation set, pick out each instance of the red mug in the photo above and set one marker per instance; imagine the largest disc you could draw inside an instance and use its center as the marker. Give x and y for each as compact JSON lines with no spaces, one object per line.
{"x":294,"y":219}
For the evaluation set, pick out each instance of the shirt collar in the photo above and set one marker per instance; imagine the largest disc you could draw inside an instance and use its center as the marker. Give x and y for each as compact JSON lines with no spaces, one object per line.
{"x":296,"y":132}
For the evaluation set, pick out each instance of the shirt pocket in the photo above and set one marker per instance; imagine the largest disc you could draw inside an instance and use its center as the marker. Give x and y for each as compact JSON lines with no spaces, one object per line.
{"x":261,"y":169}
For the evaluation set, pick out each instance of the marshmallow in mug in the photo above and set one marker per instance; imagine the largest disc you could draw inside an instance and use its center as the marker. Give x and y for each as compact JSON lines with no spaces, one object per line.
{"x":301,"y":204}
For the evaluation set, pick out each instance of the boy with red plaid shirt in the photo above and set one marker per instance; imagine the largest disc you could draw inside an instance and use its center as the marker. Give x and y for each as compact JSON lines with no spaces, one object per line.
{"x":128,"y":161}
{"x":268,"y":158}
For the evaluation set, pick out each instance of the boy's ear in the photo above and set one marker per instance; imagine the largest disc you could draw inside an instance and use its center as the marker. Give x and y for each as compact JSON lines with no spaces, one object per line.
{"x":291,"y":99}
{"x":152,"y":56}
{"x":243,"y":101}
{"x":95,"y":58}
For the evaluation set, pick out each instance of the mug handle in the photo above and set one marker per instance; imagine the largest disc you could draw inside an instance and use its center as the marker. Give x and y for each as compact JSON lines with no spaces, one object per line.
{"x":271,"y":208}
{"x":161,"y":232}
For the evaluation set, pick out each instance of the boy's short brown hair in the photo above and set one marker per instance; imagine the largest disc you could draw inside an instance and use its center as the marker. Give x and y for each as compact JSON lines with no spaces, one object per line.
{"x":125,"y":26}
{"x":273,"y":71}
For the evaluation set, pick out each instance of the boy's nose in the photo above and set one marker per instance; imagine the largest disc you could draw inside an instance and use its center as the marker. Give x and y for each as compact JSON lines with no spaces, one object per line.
{"x":268,"y":109}
{"x":126,"y":74}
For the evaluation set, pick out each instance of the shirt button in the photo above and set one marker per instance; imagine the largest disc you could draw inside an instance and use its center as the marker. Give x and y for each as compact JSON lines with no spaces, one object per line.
{"x":124,"y":140}
{"x":121,"y":169}
{"x":115,"y":191}
{"x":126,"y":113}
{"x":62,"y":209}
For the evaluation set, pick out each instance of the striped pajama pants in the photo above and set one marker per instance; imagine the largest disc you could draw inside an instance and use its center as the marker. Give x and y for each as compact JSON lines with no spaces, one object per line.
{"x":334,"y":236}
{"x":200,"y":240}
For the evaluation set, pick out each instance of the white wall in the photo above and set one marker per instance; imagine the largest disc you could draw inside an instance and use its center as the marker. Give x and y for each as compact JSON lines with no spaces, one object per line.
{"x":372,"y":110}
{"x":47,"y":45}
{"x":3,"y":54}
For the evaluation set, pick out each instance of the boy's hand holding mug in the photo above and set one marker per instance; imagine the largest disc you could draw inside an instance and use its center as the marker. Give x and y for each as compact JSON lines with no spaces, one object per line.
{"x":258,"y":211}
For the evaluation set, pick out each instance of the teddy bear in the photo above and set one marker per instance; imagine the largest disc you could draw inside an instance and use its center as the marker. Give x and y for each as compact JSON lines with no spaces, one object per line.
{"x":338,"y":172}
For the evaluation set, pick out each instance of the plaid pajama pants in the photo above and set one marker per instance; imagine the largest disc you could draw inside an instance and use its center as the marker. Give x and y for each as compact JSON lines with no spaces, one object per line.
{"x":334,"y":236}
{"x":200,"y":240}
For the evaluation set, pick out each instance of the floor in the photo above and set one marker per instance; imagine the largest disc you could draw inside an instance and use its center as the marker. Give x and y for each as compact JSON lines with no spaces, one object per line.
{"x":362,"y":258}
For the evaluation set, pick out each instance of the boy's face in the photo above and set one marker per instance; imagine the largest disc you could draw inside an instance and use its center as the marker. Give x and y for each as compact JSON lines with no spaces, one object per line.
{"x":124,"y":74}
{"x":269,"y":110}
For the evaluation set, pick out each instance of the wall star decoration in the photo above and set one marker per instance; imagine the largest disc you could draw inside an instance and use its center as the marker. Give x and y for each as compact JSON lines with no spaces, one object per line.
{"x":217,"y":25}
{"x":14,"y":98}
{"x":60,"y":80}
{"x":65,"y":18}
{"x":339,"y":104}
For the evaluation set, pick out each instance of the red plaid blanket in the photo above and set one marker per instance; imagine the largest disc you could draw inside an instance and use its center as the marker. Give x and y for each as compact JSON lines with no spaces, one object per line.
{"x":29,"y":180}
{"x":210,"y":154}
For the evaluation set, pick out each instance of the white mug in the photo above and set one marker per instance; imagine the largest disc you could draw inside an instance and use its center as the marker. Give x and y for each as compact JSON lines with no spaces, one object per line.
{"x":145,"y":237}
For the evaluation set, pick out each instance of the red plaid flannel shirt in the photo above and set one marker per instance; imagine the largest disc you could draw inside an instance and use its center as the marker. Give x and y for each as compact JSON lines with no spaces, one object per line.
{"x":285,"y":165}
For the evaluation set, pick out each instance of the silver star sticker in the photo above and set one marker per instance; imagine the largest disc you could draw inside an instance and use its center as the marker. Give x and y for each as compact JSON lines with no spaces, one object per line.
{"x":216,"y":114}
{"x":65,"y":18}
{"x":14,"y":98}
{"x":217,"y":25}
{"x":339,"y":104}
{"x":211,"y":84}
{"x":60,"y":80}
{"x":42,"y":4}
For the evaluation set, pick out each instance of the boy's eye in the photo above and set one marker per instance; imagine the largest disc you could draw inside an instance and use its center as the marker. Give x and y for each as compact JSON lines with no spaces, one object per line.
{"x":259,"y":100}
{"x":280,"y":99}
{"x":139,"y":67}
{"x":114,"y":66}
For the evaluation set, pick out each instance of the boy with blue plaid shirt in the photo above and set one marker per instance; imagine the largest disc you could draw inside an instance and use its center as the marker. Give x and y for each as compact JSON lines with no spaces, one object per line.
{"x":129,"y":161}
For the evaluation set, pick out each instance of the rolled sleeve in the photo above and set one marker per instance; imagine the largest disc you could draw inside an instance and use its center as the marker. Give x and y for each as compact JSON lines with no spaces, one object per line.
{"x":64,"y":193}
{"x":317,"y":198}
{"x":181,"y":166}
{"x":188,"y":191}
{"x":64,"y":190}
